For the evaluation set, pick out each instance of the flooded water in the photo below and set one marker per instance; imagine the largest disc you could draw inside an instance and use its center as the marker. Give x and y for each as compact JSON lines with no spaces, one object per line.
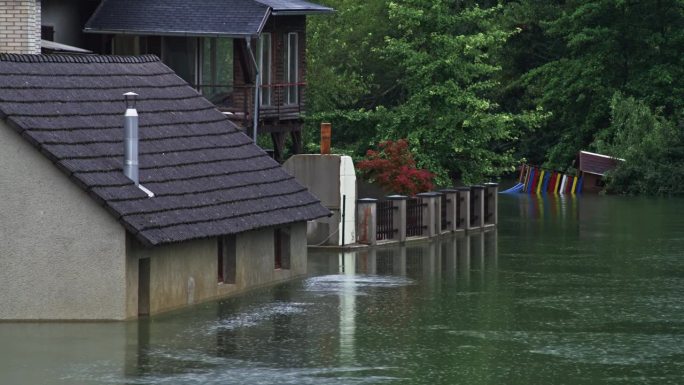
{"x":567,"y":291}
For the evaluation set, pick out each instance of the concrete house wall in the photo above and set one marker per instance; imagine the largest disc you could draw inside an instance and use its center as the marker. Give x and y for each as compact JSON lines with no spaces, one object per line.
{"x":64,"y":257}
{"x":186,"y":273}
{"x":61,"y":255}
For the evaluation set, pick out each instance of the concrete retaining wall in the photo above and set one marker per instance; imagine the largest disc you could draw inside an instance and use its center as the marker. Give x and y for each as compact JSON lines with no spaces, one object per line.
{"x":330,"y":178}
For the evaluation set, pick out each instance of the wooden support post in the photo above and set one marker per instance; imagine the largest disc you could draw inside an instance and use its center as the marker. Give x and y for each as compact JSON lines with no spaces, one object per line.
{"x":296,"y":136}
{"x":278,"y":139}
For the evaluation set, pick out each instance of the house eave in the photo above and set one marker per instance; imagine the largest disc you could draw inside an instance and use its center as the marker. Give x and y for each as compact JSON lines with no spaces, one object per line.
{"x":302,"y":12}
{"x":171,"y":33}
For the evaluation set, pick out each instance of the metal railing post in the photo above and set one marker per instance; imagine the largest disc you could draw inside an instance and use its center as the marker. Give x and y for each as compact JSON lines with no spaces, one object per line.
{"x":366,"y":218}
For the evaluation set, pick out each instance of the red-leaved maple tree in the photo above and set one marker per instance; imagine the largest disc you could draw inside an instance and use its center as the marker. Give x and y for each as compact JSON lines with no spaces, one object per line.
{"x":394,"y":169}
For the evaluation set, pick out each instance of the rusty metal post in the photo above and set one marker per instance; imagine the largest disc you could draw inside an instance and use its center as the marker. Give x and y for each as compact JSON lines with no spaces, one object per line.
{"x":366,"y":218}
{"x":326,"y":133}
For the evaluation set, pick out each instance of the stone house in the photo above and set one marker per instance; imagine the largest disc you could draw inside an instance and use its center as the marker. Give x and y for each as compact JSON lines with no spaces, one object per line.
{"x":212,"y":215}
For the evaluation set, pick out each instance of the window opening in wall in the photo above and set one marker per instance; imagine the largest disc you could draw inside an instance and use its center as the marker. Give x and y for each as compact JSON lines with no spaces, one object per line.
{"x":47,"y":32}
{"x":143,"y":286}
{"x":180,"y":54}
{"x":282,"y":248}
{"x":227,"y":259}
{"x":265,"y":68}
{"x":126,"y":45}
{"x":292,"y":68}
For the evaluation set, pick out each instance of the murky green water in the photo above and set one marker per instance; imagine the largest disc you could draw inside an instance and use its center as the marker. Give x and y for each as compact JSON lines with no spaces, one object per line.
{"x":583,"y":291}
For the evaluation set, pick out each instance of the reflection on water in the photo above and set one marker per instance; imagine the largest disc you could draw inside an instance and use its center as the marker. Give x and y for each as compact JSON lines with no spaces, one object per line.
{"x":567,"y":291}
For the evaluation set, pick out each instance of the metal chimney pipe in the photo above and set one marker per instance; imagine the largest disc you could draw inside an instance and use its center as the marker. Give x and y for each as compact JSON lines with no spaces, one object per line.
{"x":130,"y":167}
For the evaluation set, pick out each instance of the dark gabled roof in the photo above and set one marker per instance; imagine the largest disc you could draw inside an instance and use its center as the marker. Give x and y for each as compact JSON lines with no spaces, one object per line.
{"x":295,"y":7}
{"x":231,"y":18}
{"x":597,"y":164}
{"x":208,"y":178}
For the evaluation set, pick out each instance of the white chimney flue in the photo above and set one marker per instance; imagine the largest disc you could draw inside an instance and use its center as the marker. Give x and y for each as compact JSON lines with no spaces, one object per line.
{"x":130,"y":166}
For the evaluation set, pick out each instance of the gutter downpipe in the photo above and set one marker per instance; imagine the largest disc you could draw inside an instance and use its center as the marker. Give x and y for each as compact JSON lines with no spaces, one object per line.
{"x":257,"y":87}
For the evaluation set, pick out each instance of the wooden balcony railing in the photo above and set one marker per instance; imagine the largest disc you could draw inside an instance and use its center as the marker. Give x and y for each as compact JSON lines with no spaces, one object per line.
{"x":281,"y":101}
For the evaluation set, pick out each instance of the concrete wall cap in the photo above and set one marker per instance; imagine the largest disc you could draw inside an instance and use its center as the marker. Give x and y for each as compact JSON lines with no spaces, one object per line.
{"x":491,"y":184}
{"x":396,"y":197}
{"x":477,"y":187}
{"x":366,"y":200}
{"x":430,"y":194}
{"x":448,"y":190}
{"x":462,"y":188}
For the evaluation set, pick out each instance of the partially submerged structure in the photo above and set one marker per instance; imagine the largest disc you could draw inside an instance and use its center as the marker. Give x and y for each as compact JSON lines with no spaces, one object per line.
{"x":212,"y":213}
{"x":593,"y":167}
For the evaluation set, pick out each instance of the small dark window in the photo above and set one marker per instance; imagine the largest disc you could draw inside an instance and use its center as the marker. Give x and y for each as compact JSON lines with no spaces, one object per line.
{"x":227,"y":259}
{"x":47,"y":32}
{"x":282,"y":248}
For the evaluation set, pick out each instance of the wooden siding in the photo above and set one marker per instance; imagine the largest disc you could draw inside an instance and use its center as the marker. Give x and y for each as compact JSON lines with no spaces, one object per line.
{"x":278,"y":27}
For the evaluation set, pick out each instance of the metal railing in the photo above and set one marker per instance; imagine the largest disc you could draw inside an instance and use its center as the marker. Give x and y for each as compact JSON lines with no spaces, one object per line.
{"x":414,"y":217}
{"x":385,"y":221}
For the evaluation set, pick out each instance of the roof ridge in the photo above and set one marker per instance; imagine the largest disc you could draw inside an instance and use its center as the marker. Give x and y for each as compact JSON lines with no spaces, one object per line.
{"x":83,"y":59}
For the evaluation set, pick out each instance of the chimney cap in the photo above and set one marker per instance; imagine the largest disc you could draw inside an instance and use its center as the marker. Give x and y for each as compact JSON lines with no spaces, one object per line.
{"x":130,"y":99}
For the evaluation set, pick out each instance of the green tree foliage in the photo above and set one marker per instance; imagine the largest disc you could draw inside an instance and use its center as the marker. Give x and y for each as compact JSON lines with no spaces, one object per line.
{"x":445,"y":54}
{"x":652,"y":147}
{"x":432,"y":77}
{"x":347,"y":78}
{"x":476,"y":88}
{"x":594,"y":48}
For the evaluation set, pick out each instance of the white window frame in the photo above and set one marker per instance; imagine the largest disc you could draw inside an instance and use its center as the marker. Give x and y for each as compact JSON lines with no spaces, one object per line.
{"x":292,"y":93}
{"x":266,"y":92}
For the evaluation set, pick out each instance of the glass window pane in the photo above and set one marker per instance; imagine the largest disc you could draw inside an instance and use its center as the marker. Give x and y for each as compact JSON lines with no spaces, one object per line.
{"x":217,"y":70}
{"x":265,"y":67}
{"x":180,"y":54}
{"x":292,"y":67}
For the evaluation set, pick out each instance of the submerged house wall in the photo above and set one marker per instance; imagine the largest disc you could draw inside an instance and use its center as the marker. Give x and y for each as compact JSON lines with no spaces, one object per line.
{"x":186,"y":273}
{"x":61,"y":255}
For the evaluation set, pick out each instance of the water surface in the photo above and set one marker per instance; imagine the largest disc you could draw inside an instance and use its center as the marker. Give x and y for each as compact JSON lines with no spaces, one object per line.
{"x":567,"y":291}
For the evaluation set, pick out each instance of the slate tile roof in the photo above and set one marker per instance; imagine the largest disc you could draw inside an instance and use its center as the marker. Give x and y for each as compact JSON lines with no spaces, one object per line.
{"x":597,"y":164}
{"x":208,"y":178}
{"x":234,"y":18}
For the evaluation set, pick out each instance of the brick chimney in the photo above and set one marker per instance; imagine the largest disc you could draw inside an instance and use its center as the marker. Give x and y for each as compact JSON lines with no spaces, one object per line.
{"x":20,"y":26}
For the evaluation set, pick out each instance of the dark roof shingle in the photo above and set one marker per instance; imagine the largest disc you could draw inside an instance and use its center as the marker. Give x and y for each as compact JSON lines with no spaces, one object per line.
{"x":234,"y":18}
{"x":208,"y":178}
